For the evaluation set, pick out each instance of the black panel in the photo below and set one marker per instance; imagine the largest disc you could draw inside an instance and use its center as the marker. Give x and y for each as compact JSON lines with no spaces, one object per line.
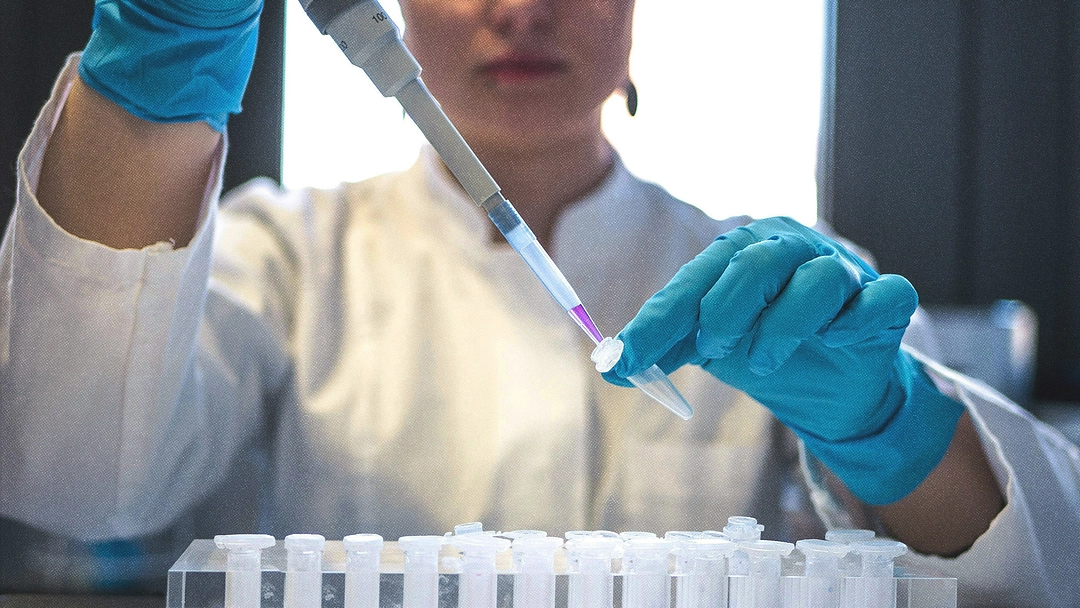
{"x":36,"y":36}
{"x":955,"y":157}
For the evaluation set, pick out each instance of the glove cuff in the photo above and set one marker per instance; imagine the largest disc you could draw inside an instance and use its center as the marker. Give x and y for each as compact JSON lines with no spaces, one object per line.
{"x":166,"y":71}
{"x":886,"y":466}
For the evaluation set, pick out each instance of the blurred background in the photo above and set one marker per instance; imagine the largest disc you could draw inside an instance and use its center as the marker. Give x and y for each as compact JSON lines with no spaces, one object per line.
{"x":941,"y":136}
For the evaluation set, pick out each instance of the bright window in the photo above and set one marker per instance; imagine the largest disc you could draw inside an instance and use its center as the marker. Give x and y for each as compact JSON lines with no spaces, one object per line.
{"x":730,"y":94}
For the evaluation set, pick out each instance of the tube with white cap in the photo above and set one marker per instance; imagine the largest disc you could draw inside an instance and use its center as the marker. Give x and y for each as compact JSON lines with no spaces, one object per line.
{"x":741,"y":529}
{"x":371,"y":41}
{"x":362,"y":553}
{"x":303,"y":572}
{"x":877,"y":581}
{"x":646,"y":581}
{"x":822,"y":571}
{"x":478,"y":580}
{"x":421,"y":570}
{"x":243,"y":567}
{"x":534,"y":580}
{"x":762,"y":587}
{"x":591,"y":582}
{"x":704,"y":578}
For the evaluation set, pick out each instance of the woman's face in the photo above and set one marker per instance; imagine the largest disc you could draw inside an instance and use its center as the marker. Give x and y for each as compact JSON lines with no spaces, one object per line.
{"x":519,"y":72}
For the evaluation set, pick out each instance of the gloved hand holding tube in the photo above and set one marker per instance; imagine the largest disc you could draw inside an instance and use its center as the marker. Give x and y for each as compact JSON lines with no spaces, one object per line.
{"x":173,"y":60}
{"x":810,"y":331}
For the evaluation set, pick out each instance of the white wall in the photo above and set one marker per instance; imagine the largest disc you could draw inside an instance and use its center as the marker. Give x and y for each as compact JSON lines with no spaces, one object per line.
{"x":727,"y":120}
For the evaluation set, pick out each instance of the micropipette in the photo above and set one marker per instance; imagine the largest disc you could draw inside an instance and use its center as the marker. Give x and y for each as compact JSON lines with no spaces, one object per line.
{"x":371,"y":41}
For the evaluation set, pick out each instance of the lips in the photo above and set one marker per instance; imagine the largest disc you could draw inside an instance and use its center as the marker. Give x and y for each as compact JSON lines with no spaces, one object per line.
{"x":522,"y":68}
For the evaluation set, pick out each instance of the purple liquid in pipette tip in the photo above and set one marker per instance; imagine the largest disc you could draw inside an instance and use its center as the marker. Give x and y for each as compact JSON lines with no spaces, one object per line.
{"x":585,"y":322}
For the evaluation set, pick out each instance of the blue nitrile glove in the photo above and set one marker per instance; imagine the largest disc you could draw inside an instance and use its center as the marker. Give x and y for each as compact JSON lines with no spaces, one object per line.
{"x":173,"y":60}
{"x":809,"y":330}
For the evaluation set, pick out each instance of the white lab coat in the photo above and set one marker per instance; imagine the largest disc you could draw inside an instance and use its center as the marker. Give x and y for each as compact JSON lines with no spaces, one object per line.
{"x":405,"y":373}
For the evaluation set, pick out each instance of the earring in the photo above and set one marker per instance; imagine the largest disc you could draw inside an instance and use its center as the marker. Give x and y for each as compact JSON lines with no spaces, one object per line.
{"x":631,"y":97}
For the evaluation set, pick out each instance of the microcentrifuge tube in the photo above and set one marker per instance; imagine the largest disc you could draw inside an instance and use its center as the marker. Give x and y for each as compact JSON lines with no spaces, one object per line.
{"x":762,"y":587}
{"x":631,"y":535}
{"x":850,"y":564}
{"x":878,"y":581}
{"x":534,"y":579}
{"x":652,"y":381}
{"x":703,"y":581}
{"x":421,"y":580}
{"x":477,"y":582}
{"x":595,"y":533}
{"x":646,"y":581}
{"x":683,"y":561}
{"x":303,"y":571}
{"x":362,"y":552}
{"x":473,"y":527}
{"x":243,"y":567}
{"x":591,"y":583}
{"x":741,"y":529}
{"x":822,"y":571}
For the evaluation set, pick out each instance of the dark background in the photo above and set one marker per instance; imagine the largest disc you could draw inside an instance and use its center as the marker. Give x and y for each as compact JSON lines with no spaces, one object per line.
{"x":950,"y":145}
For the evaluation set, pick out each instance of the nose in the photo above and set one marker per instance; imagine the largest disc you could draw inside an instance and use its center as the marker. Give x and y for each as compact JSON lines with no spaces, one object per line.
{"x":521,"y":17}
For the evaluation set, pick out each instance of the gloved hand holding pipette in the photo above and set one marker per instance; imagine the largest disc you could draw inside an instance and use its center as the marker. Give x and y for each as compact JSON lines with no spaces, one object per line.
{"x":202,"y":56}
{"x":813,"y":333}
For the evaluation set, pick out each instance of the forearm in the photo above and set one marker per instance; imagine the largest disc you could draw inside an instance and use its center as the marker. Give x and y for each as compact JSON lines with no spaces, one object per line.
{"x":121,"y":181}
{"x":954,"y":505}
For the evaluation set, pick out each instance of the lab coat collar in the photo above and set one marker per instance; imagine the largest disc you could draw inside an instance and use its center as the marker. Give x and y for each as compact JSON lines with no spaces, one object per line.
{"x":614,"y":189}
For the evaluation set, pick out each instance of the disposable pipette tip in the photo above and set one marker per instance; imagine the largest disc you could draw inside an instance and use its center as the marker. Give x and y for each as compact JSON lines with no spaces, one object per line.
{"x":655,"y":383}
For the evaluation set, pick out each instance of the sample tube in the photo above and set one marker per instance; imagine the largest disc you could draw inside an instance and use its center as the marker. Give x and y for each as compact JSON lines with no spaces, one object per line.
{"x":534,"y":581}
{"x":421,"y":570}
{"x":303,"y":571}
{"x":646,"y":581}
{"x":598,"y":533}
{"x":591,"y":581}
{"x":243,"y":567}
{"x":362,"y":552}
{"x":741,"y":529}
{"x":703,"y":581}
{"x":877,"y":581}
{"x":631,"y":535}
{"x":473,"y":527}
{"x":683,"y":560}
{"x":761,"y":588}
{"x":850,"y":564}
{"x":822,"y":571}
{"x":477,"y":583}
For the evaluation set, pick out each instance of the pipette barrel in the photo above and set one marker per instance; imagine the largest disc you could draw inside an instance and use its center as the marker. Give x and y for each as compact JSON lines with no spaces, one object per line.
{"x":243,"y":567}
{"x":362,"y":552}
{"x":303,"y":572}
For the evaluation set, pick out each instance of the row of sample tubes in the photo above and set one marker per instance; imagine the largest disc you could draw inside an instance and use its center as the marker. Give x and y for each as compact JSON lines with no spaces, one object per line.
{"x":732,"y":568}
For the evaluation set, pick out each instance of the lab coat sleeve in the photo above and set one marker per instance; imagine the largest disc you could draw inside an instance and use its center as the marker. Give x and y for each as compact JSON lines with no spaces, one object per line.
{"x":1024,"y":558}
{"x":121,"y":403}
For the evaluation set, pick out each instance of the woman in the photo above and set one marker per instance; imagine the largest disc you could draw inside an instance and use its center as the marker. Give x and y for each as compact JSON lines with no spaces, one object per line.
{"x":394,"y":358}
